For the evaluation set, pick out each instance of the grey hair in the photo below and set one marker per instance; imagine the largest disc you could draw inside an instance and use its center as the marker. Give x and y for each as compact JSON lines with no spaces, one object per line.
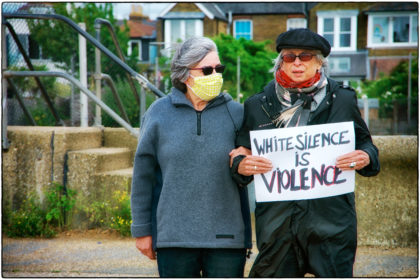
{"x":279,"y":60}
{"x":187,"y":55}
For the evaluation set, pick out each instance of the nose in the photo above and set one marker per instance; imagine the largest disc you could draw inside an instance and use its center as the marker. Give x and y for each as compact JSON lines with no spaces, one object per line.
{"x":297,"y":61}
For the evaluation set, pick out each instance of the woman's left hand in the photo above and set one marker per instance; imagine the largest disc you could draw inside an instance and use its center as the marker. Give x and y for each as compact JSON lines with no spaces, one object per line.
{"x":239,"y":151}
{"x":355,"y":160}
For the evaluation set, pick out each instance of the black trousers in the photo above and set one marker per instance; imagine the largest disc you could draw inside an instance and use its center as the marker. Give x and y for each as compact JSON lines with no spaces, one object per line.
{"x":201,"y":262}
{"x":316,"y":236}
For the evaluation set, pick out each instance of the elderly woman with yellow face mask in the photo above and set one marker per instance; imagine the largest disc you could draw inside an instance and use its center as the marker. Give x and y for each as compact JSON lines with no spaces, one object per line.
{"x":186,"y":209}
{"x":315,"y":236}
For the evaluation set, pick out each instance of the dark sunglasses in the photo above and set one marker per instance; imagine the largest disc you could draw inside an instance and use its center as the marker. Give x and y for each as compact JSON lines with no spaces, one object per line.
{"x":303,"y":57}
{"x":207,"y":70}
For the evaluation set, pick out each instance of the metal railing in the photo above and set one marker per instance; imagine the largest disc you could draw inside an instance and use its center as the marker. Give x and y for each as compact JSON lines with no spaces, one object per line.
{"x":77,"y":83}
{"x":98,"y":23}
{"x":141,"y":79}
{"x":131,"y":74}
{"x":30,"y":66}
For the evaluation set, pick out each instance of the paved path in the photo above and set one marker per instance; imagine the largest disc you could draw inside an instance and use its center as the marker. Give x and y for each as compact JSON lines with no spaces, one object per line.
{"x":100,"y":254}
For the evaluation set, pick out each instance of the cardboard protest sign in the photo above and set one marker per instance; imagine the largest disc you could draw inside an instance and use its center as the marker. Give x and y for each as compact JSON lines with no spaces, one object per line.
{"x":303,"y":161}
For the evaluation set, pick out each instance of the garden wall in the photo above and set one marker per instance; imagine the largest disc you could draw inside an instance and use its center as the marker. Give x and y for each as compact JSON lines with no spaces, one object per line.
{"x":387,"y":204}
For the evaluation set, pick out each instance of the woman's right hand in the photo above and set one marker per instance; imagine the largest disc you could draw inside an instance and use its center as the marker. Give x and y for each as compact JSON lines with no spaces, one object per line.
{"x":144,"y":245}
{"x":252,"y":165}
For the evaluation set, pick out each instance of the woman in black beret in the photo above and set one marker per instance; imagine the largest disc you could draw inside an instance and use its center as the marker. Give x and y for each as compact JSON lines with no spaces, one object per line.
{"x":317,"y":236}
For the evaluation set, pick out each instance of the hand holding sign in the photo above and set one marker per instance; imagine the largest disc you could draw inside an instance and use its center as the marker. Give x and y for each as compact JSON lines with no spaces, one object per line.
{"x":358,"y":157}
{"x":304,"y":161}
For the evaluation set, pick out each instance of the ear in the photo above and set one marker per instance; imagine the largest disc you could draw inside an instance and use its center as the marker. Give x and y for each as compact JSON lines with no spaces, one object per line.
{"x":189,"y":81}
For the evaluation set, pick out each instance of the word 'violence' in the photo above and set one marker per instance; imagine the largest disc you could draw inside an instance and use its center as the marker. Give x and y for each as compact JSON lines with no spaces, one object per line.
{"x":301,"y":180}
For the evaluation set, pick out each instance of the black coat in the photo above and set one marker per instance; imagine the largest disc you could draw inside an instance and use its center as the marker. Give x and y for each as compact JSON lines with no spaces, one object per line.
{"x":301,"y":224}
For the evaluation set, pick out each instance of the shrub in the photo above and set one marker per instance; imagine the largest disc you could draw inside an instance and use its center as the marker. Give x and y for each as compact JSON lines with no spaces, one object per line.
{"x":394,"y":88}
{"x":32,"y":219}
{"x":256,"y":61}
{"x":114,"y":213}
{"x":128,"y":101}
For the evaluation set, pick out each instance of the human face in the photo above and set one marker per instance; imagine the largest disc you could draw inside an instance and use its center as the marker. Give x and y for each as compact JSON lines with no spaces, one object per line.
{"x":211,"y":59}
{"x":300,"y":71}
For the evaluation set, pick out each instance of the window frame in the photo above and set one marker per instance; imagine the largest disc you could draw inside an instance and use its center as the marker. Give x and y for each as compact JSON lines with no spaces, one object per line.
{"x":390,"y":43}
{"x":289,"y":20}
{"x":337,"y":15}
{"x":335,"y":61}
{"x":130,"y":49}
{"x":199,"y":30}
{"x":243,"y":20}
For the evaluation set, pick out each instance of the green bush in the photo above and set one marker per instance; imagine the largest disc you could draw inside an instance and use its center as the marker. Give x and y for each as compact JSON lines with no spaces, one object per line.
{"x":32,"y":219}
{"x":394,"y":88}
{"x":60,"y":202}
{"x":129,"y":103}
{"x":111,"y":214}
{"x":256,"y":61}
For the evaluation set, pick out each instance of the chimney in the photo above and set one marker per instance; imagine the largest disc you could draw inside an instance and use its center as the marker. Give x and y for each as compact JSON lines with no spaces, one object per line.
{"x":136,"y":12}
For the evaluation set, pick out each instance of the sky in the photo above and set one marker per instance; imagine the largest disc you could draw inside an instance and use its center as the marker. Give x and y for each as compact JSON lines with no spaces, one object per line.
{"x":122,"y":9}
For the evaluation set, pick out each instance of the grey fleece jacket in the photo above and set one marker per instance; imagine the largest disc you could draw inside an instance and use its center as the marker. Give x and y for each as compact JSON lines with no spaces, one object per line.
{"x":199,"y":204}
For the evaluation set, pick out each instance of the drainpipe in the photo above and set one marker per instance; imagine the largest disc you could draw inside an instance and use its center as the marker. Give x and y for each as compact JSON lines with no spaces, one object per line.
{"x":229,"y":22}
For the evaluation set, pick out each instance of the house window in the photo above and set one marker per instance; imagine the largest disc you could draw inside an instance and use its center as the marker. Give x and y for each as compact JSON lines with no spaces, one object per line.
{"x":178,"y":30}
{"x":339,"y":64}
{"x":242,"y":29}
{"x":294,"y":23}
{"x":134,"y":48}
{"x":392,"y":30}
{"x":339,"y":28}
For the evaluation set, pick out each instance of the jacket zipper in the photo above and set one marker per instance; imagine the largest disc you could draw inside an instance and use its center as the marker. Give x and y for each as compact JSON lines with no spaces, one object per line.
{"x":198,"y":122}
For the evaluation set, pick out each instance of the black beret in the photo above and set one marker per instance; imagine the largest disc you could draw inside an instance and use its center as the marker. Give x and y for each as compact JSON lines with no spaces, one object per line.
{"x":303,"y":38}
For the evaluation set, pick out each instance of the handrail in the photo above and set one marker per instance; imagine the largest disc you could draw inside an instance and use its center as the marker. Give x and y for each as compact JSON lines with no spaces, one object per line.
{"x":111,"y":85}
{"x":140,"y":79}
{"x":105,"y":22}
{"x":81,"y":87}
{"x":44,"y":94}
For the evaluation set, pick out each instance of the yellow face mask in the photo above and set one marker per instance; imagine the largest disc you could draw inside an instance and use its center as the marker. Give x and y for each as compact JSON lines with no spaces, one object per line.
{"x":207,"y":87}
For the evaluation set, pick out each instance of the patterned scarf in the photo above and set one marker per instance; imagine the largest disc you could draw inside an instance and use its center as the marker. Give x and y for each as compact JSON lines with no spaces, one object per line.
{"x":296,"y":98}
{"x":286,"y":82}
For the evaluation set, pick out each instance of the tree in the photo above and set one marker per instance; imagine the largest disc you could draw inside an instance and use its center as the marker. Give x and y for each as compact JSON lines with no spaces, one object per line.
{"x":256,"y":61}
{"x":393,"y":89}
{"x":59,"y":42}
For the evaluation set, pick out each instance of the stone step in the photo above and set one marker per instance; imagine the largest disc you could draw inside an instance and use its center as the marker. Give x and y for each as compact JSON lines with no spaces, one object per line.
{"x":99,"y":160}
{"x":112,"y":181}
{"x":119,"y":137}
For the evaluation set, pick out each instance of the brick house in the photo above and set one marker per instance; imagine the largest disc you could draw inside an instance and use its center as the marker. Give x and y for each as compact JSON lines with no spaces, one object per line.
{"x":367,"y":38}
{"x":253,"y":21}
{"x":180,"y":21}
{"x":264,"y":21}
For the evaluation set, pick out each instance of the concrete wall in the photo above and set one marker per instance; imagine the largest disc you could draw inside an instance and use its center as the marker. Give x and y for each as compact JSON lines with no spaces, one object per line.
{"x":387,"y":204}
{"x":36,"y":157}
